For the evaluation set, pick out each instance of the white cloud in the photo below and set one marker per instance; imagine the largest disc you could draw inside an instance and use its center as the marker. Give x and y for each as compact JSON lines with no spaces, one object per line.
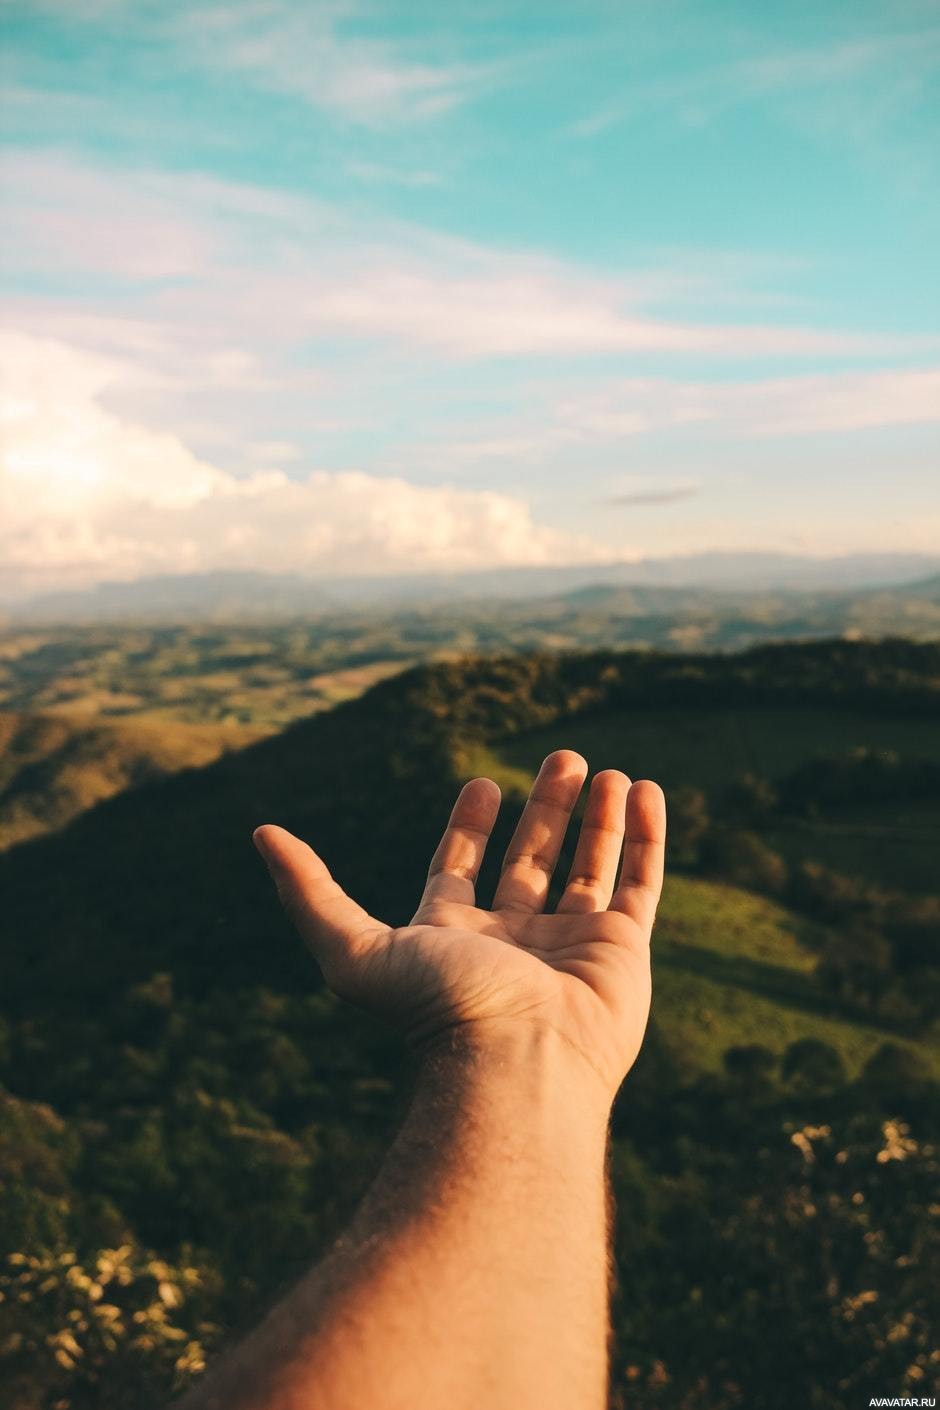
{"x":842,"y":61}
{"x":87,"y":495}
{"x":303,"y":51}
{"x":852,"y":88}
{"x":269,"y":269}
{"x":316,"y":51}
{"x":600,"y":422}
{"x":516,"y":311}
{"x":836,"y":402}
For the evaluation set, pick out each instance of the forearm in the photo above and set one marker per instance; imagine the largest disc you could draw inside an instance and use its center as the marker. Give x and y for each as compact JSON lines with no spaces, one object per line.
{"x":475,"y":1272}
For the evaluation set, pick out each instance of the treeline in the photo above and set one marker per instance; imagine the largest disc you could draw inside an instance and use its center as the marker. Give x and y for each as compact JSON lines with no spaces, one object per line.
{"x":859,"y":777}
{"x":498,"y":696}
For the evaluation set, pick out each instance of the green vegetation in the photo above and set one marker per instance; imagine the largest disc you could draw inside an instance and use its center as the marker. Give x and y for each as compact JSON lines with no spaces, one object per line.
{"x":732,"y":968}
{"x":709,"y":747}
{"x":53,"y":767}
{"x":200,"y":674}
{"x":186,"y":1103}
{"x":268,"y":651}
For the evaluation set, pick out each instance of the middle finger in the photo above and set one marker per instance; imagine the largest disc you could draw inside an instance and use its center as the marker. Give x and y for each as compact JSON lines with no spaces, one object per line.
{"x":532,"y":853}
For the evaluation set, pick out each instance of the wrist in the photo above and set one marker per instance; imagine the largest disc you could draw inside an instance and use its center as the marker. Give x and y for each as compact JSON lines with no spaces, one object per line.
{"x":525,"y":1068}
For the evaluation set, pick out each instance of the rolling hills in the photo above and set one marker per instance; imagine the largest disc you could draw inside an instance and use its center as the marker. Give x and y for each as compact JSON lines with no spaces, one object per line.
{"x":712,"y":746}
{"x":191,"y":1093}
{"x":256,"y":656}
{"x":372,"y":780}
{"x":53,"y":767}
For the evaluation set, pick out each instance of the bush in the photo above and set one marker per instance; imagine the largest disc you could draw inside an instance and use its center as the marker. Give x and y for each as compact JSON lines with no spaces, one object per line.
{"x":742,"y":858}
{"x":855,"y":964}
{"x":894,"y":1071}
{"x":688,"y":820}
{"x":749,"y":799}
{"x":750,"y":1066}
{"x":812,"y":1066}
{"x":827,"y":895}
{"x":861,"y":776}
{"x":103,"y":1333}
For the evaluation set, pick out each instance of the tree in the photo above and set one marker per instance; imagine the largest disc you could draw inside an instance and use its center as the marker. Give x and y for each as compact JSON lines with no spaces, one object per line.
{"x":750,"y":1067}
{"x":749,"y":798}
{"x":812,"y":1066}
{"x":688,"y":820}
{"x":893,"y":1072}
{"x":742,"y":858}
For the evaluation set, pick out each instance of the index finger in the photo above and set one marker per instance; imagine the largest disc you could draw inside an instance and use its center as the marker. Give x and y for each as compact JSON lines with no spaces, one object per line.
{"x":456,"y":863}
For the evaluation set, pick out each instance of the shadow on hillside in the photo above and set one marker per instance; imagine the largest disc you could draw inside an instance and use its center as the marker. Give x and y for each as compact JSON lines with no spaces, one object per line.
{"x":768,"y":980}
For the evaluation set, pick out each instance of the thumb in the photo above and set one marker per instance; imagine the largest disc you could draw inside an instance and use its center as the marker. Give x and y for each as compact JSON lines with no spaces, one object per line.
{"x":330,"y":922}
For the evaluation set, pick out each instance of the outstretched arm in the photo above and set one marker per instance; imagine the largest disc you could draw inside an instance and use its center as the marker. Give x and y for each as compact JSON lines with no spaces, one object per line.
{"x":475,"y":1271}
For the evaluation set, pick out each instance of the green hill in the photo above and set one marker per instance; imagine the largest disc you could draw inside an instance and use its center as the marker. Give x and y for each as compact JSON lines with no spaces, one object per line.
{"x":53,"y":767}
{"x":181,"y":1086}
{"x":712,"y":745}
{"x":274,"y":650}
{"x":732,"y":969}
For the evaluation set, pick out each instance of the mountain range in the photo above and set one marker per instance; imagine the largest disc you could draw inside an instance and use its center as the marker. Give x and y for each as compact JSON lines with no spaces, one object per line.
{"x":246,"y":596}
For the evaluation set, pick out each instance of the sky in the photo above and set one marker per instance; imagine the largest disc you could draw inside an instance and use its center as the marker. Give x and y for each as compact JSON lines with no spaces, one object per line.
{"x":391,"y":287}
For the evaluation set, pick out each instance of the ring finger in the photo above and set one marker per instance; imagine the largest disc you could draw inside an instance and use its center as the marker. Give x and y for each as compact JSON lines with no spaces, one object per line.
{"x":597,"y":856}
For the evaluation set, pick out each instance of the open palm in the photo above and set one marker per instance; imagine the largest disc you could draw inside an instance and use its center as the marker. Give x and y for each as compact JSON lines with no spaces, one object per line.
{"x":582,"y":970}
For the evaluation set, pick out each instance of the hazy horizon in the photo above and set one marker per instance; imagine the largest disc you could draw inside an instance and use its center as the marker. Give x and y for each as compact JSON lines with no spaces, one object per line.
{"x":823,"y":596}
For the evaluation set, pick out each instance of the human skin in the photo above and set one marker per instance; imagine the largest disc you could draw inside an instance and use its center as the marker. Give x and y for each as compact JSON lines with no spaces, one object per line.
{"x":475,"y":1272}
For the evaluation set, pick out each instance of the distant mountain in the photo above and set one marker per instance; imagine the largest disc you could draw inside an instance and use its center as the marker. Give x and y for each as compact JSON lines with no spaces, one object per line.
{"x":926,"y":587}
{"x":232,"y":596}
{"x":183,"y":597}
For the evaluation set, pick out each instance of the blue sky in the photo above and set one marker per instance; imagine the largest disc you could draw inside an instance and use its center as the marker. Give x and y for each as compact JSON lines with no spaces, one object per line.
{"x":339,"y":287}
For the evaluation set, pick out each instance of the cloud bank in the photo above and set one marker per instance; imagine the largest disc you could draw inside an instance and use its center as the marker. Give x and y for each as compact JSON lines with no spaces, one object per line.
{"x":86,"y":494}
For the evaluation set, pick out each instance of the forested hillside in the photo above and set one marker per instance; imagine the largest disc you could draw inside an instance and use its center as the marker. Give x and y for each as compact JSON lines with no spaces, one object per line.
{"x":261,"y":658}
{"x":189,"y":1116}
{"x":53,"y":767}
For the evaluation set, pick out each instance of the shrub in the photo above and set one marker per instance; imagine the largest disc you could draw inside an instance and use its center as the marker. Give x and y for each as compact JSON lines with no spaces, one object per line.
{"x":812,"y":1066}
{"x":855,"y":964}
{"x":892,"y":1071}
{"x":688,"y":819}
{"x":742,"y":858}
{"x":749,"y":798}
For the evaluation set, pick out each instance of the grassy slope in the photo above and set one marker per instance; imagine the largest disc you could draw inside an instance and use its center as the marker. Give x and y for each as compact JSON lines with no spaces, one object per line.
{"x":732,"y":968}
{"x":709,"y":747}
{"x":53,"y":767}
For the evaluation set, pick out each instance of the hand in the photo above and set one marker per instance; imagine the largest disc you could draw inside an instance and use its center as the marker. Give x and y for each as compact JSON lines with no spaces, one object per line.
{"x":583,"y":972}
